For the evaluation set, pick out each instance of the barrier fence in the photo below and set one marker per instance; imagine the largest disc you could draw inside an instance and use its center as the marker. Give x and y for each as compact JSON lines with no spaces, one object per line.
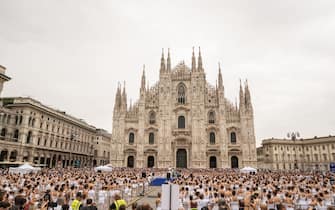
{"x":128,"y":192}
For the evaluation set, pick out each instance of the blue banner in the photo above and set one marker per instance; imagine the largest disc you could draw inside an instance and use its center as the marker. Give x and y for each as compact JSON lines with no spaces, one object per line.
{"x":332,"y":167}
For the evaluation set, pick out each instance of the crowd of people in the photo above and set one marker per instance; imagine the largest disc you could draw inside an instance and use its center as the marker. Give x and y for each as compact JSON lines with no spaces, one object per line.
{"x":222,"y":189}
{"x":199,"y":189}
{"x":71,"y":188}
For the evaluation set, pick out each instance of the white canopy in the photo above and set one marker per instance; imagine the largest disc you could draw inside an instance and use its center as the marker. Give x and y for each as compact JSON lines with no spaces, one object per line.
{"x":248,"y":170}
{"x":23,"y":169}
{"x":109,"y":165}
{"x":103,"y":168}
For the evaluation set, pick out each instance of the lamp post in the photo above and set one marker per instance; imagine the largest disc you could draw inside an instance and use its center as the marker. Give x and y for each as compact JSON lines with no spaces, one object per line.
{"x":294,"y":135}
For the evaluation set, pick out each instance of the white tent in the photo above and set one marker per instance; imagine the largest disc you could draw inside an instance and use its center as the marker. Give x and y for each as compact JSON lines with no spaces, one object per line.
{"x":103,"y":169}
{"x":248,"y":170}
{"x":23,"y":169}
{"x":109,"y":165}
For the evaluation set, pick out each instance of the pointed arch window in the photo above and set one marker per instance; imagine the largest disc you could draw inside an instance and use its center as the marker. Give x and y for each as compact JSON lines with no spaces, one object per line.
{"x":151,"y":138}
{"x":181,"y":122}
{"x":152,"y":118}
{"x":233,"y":137}
{"x":212,"y":138}
{"x":131,"y":138}
{"x":211,"y":117}
{"x":181,"y":94}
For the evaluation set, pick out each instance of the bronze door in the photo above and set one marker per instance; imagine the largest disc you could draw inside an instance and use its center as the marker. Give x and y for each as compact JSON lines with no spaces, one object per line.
{"x":181,"y":158}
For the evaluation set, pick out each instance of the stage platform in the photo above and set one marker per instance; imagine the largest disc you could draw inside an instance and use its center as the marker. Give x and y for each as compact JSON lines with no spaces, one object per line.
{"x":158,"y":181}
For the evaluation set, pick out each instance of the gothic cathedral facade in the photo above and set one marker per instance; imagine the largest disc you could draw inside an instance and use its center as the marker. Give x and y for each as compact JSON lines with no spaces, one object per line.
{"x":184,"y":122}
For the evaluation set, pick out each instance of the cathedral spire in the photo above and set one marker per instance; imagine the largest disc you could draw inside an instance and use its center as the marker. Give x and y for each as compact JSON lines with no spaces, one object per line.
{"x":200,"y":61}
{"x":168,"y":62}
{"x":117,"y":103}
{"x":143,"y":80}
{"x":193,"y":61}
{"x":162,"y":62}
{"x":124,"y":97}
{"x":220,"y":78}
{"x":242,"y":99}
{"x":247,"y":96}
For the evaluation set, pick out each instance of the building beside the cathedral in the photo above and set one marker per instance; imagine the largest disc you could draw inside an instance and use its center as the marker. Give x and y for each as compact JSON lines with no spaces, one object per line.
{"x":183,"y":121}
{"x":33,"y":132}
{"x":304,"y":154}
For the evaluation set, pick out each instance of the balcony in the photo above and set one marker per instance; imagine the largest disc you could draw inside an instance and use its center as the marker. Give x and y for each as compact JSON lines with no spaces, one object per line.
{"x":212,"y":146}
{"x":181,"y":132}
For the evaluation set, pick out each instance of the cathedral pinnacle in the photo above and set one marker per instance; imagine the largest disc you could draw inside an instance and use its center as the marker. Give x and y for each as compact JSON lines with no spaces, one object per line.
{"x":117,"y":104}
{"x":220,"y":77}
{"x":193,"y":61}
{"x":162,"y":62}
{"x":124,"y":97}
{"x":242,"y":99}
{"x":143,"y":79}
{"x":200,"y":61}
{"x":247,"y":96}
{"x":168,"y":62}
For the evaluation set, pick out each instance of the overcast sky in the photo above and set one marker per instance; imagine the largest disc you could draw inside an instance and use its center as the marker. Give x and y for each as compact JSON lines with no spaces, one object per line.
{"x":71,"y":54}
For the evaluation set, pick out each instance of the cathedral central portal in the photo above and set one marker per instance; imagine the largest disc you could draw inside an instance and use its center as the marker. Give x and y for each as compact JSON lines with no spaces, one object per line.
{"x":181,"y":159}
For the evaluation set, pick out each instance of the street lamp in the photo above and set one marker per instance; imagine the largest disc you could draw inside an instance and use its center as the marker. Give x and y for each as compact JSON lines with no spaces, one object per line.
{"x":294,"y":135}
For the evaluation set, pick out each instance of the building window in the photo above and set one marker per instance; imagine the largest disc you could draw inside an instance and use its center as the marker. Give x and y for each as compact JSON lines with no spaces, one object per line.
{"x":181,"y":122}
{"x":233,"y":137}
{"x":3,"y":132}
{"x":181,"y":94}
{"x":212,"y":138}
{"x":211,"y":117}
{"x":151,"y":138}
{"x":152,"y":118}
{"x":131,"y":138}
{"x":324,"y":157}
{"x":28,"y":138}
{"x":16,"y":134}
{"x":38,"y":141}
{"x":323,"y":147}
